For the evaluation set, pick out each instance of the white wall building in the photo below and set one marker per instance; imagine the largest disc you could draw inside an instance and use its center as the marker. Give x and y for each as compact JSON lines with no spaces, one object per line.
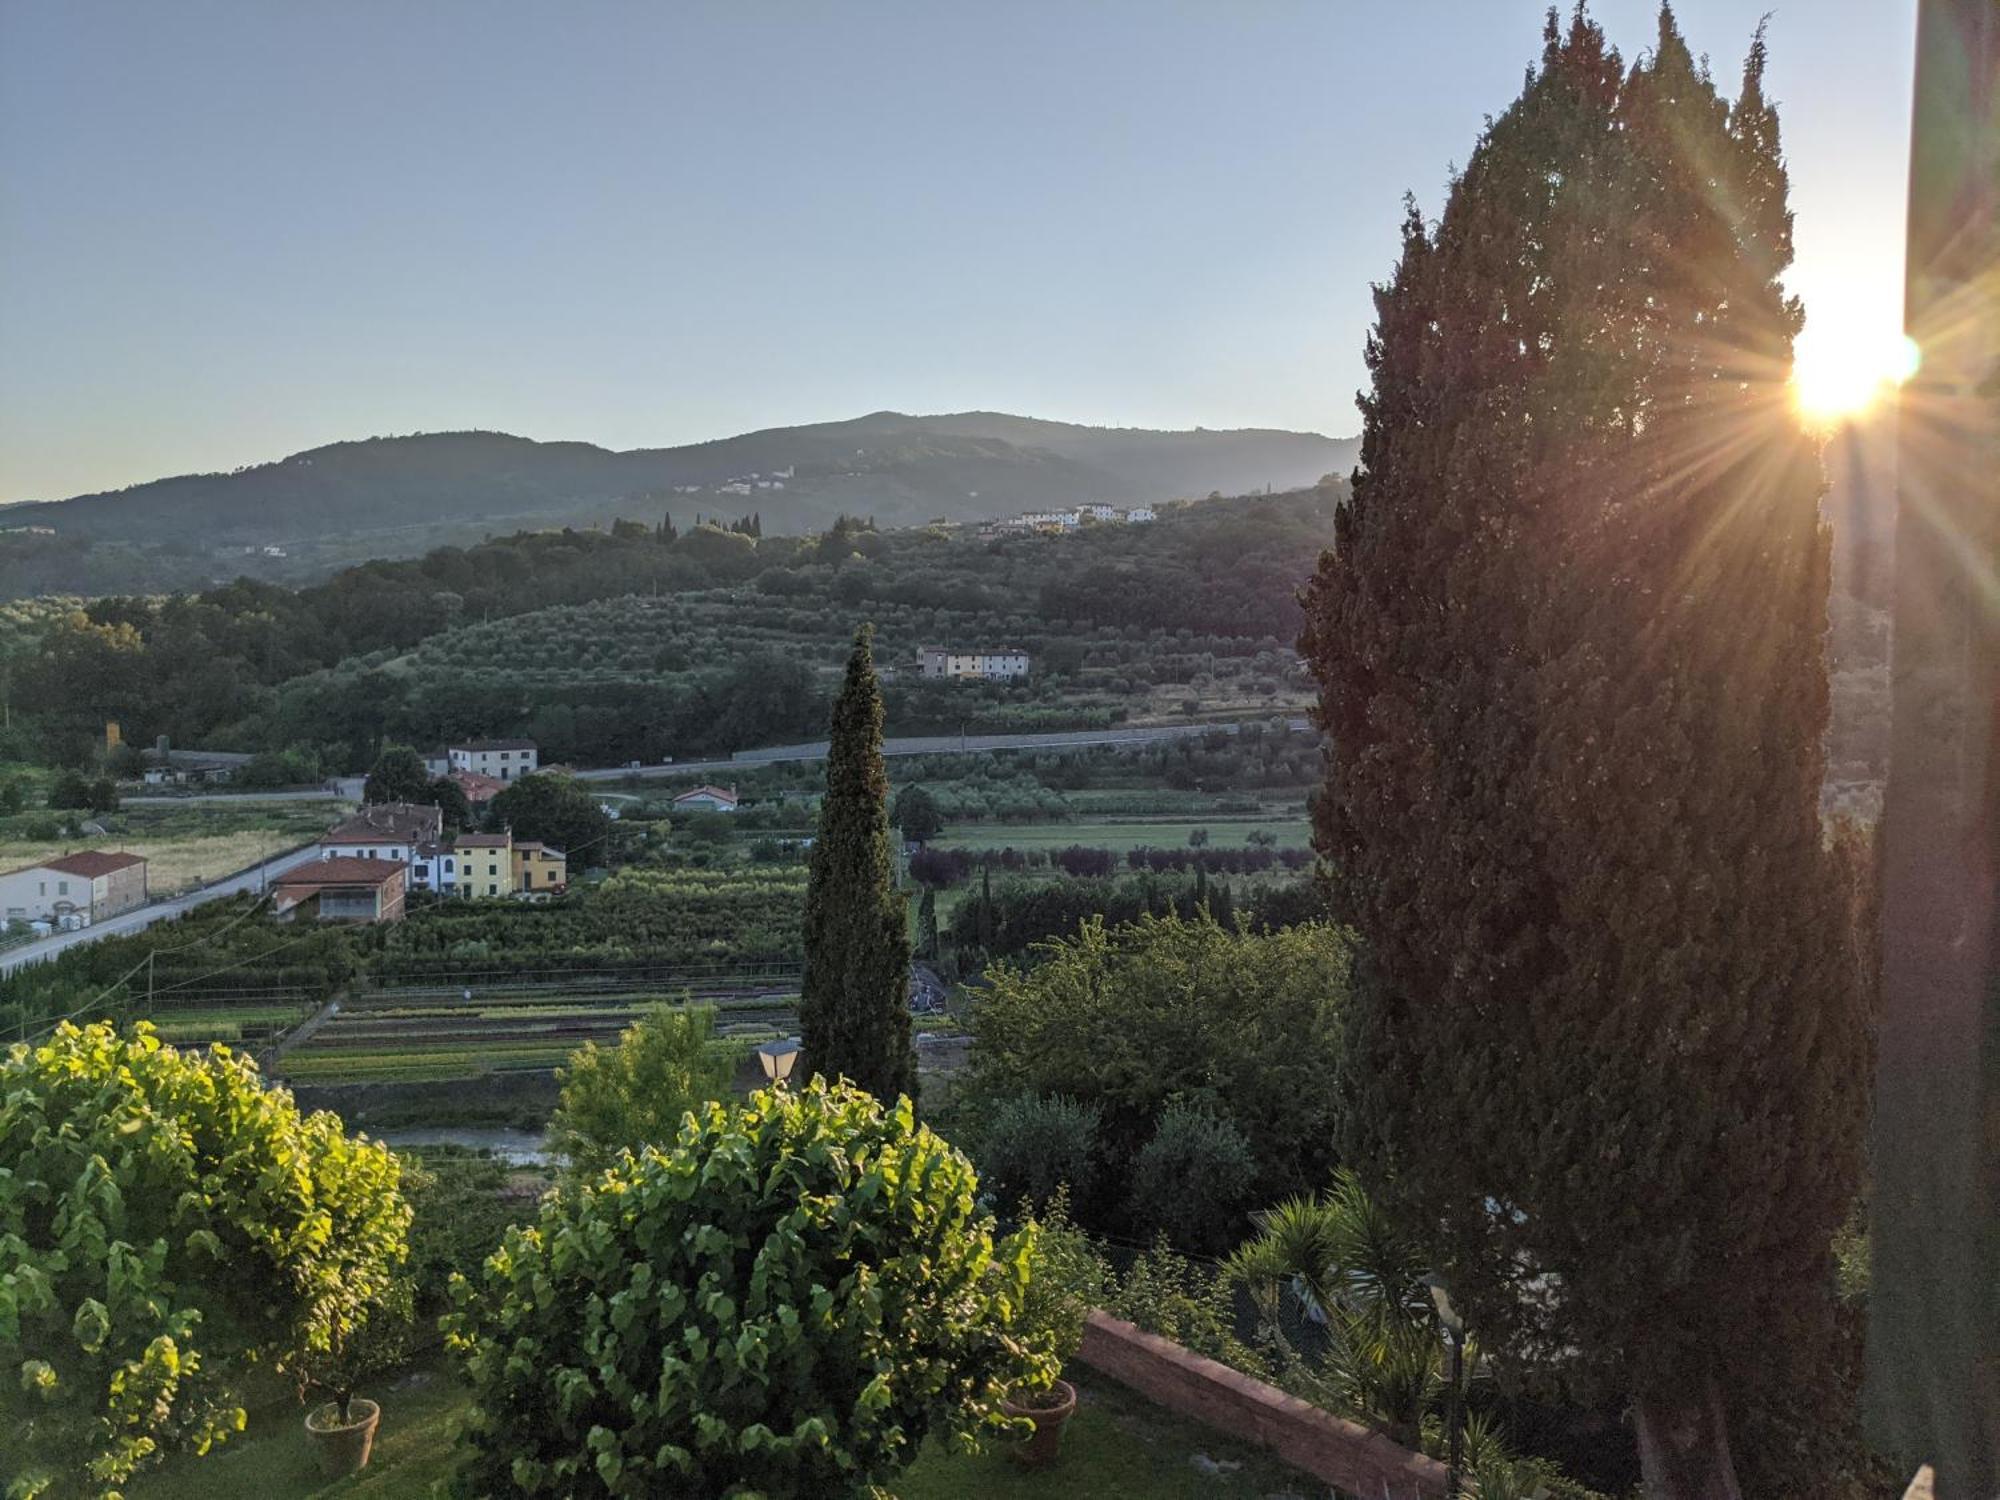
{"x":503,"y":760}
{"x":987,"y":665}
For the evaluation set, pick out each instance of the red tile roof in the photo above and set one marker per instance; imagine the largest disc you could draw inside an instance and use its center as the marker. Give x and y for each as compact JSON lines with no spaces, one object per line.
{"x":342,"y":869}
{"x":91,"y":863}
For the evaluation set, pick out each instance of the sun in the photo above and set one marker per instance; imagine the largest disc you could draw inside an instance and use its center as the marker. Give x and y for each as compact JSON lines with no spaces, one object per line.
{"x":1839,"y":373}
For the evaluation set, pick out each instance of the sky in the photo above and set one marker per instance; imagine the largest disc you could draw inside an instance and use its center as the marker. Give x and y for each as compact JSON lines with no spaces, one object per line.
{"x":231,"y":231}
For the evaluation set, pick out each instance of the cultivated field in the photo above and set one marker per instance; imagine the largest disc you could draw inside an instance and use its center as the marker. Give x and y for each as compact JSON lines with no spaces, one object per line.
{"x":1122,"y":834}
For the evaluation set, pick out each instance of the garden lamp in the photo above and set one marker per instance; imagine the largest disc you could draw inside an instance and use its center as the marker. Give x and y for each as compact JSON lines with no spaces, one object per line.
{"x":777,"y":1058}
{"x":1454,"y":1326}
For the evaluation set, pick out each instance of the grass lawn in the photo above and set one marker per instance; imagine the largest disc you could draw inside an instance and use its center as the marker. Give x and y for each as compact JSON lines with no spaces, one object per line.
{"x":1117,"y":1448}
{"x":184,"y":846}
{"x":1126,"y":833}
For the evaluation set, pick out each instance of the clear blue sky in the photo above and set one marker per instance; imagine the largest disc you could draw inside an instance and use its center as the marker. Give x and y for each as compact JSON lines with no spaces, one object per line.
{"x":232,"y":231}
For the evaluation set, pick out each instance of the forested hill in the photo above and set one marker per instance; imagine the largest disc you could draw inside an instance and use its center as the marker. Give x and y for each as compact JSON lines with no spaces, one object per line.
{"x":399,"y":496}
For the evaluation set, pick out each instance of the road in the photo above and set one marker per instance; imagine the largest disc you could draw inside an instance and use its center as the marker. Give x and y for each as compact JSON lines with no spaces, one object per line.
{"x":253,"y":879}
{"x":347,"y":787}
{"x":940,"y":744}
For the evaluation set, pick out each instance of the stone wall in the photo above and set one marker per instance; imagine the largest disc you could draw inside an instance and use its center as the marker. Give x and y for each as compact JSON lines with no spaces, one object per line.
{"x":1344,"y":1454}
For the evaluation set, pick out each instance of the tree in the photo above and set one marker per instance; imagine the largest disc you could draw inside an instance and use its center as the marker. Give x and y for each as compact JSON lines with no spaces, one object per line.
{"x":167,"y":1220}
{"x":398,"y":775}
{"x":1193,"y":1180}
{"x":1569,"y":646}
{"x":854,"y":1012}
{"x":637,"y":1092}
{"x":551,"y":808}
{"x":678,"y":1327}
{"x":449,"y":798}
{"x":927,"y":925}
{"x":916,"y":814}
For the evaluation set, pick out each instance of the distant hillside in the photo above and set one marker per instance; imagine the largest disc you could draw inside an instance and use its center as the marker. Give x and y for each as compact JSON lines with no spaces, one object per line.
{"x":401,"y":493}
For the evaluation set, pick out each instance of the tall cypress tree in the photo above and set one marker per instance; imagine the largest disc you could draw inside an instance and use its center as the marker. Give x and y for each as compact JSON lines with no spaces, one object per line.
{"x":1608,"y":1045}
{"x":854,"y":1010}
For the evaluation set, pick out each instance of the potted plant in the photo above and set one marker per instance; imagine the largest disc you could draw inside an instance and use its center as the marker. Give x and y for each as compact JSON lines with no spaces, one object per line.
{"x":343,"y":1427}
{"x":1066,"y":1278}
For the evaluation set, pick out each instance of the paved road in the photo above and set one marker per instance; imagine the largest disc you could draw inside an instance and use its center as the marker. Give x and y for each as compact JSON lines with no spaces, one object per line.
{"x":252,"y":879}
{"x":348,"y":787}
{"x":940,"y":744}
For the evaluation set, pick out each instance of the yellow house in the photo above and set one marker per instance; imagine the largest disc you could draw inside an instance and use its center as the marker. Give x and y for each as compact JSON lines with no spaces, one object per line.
{"x":485,"y":864}
{"x":538,"y":867}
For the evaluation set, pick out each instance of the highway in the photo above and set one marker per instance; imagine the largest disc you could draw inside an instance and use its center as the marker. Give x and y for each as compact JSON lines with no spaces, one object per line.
{"x":253,"y":879}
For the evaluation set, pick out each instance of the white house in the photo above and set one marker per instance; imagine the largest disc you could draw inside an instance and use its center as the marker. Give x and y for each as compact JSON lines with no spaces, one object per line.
{"x":1100,"y":512}
{"x":1140,"y":513}
{"x":503,"y":760}
{"x":384,"y":830}
{"x":988,"y":665}
{"x":74,"y":889}
{"x":707,"y":799}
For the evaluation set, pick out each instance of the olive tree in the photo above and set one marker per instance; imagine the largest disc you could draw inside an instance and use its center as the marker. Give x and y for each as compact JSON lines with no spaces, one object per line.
{"x":166,"y":1220}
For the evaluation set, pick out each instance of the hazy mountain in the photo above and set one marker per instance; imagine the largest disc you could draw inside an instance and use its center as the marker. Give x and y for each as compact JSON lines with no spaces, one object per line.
{"x":400,"y":494}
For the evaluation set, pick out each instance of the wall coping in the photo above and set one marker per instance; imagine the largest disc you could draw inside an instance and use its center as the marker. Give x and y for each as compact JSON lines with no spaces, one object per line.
{"x":1355,"y":1458}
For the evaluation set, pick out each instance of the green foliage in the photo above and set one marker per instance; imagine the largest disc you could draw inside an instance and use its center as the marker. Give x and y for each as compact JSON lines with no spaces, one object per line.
{"x":916,"y":815}
{"x":73,"y":790}
{"x":1570,"y":643}
{"x":165,"y":1218}
{"x":1193,"y":1180}
{"x":272,"y":769}
{"x":1068,"y":1276}
{"x":553,"y":809}
{"x":1031,"y":1148}
{"x":1166,"y":1011}
{"x":854,"y":1016}
{"x":398,"y":775}
{"x":789,"y":1302}
{"x":636,"y":1093}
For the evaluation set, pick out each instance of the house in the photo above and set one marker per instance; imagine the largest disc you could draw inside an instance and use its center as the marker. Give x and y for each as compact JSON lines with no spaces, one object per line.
{"x":501,"y":759}
{"x":74,"y":889}
{"x":539,"y":868}
{"x":707,"y":799}
{"x":435,"y":868}
{"x":437,"y":763}
{"x":167,"y":767}
{"x":341,"y":889}
{"x":987,"y":665}
{"x":1099,"y":513}
{"x":1140,"y":513}
{"x":384,"y":830}
{"x":478,"y":789}
{"x":485,"y":863}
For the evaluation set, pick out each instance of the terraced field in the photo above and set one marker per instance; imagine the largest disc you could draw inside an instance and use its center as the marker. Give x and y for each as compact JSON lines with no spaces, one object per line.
{"x":414,"y":1036}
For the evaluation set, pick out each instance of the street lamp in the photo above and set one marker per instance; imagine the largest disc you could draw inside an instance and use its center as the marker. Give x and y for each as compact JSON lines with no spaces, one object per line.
{"x":777,"y":1059}
{"x":1454,"y":1326}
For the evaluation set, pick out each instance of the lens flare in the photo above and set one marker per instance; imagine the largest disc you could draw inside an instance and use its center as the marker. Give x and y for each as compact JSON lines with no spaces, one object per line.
{"x":1839,"y":374}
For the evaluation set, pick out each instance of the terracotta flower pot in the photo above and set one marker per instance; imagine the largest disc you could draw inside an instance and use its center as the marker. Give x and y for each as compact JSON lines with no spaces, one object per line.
{"x":343,"y":1446}
{"x":1050,"y":1411}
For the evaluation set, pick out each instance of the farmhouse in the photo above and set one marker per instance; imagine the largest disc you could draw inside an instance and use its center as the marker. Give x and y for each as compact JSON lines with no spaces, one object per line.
{"x":940,"y":663}
{"x":707,"y":799}
{"x":539,"y":868}
{"x":75,"y":889}
{"x":485,"y":864}
{"x":479,"y":790}
{"x":503,"y":760}
{"x":384,"y":830}
{"x":341,"y":889}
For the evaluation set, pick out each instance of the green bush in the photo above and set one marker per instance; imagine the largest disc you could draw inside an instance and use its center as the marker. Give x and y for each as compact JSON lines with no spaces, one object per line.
{"x":1193,"y":1180}
{"x":787,"y":1303}
{"x":1032,"y":1146}
{"x":165,"y":1219}
{"x":636,"y":1093}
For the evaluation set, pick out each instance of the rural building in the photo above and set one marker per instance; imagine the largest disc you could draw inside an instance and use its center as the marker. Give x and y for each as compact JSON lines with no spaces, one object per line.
{"x":485,"y":864}
{"x":384,"y":830}
{"x":435,"y":868}
{"x":941,"y":663}
{"x":166,"y":766}
{"x":75,"y":889}
{"x":503,"y":760}
{"x":707,"y":799}
{"x":437,"y":763}
{"x":1140,"y":513}
{"x":1100,"y":513}
{"x":341,"y":889}
{"x":479,"y":790}
{"x":538,"y":867}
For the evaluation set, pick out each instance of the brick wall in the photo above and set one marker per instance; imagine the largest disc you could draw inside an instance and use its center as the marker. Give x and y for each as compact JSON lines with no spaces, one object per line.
{"x":1357,"y":1461}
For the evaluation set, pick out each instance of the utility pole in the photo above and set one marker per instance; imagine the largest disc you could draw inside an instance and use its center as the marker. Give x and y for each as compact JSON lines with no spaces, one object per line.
{"x":1933,"y":1349}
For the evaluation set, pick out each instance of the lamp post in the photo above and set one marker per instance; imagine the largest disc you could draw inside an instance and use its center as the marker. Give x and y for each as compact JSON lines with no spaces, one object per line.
{"x":777,"y":1059}
{"x":1454,"y":1327}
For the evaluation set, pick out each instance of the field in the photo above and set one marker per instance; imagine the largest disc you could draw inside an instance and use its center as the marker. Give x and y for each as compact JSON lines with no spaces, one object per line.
{"x":1129,"y":833}
{"x":184,"y":846}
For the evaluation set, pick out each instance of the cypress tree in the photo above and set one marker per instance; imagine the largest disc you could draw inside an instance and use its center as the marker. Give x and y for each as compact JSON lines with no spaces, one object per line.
{"x":1608,"y":1044}
{"x":854,"y":1014}
{"x":927,"y":925}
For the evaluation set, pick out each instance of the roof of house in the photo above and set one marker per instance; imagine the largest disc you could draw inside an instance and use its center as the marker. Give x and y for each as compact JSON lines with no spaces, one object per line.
{"x":387,"y":823}
{"x":88,"y":863}
{"x":536,"y":846}
{"x":342,"y":869}
{"x":477,"y":785}
{"x":723,"y":793}
{"x":494,"y":745}
{"x":482,"y":841}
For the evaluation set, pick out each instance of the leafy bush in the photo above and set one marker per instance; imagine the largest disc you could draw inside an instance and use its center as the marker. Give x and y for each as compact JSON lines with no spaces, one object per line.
{"x":1193,"y":1180}
{"x":786,"y":1303}
{"x":164,"y":1219}
{"x":1033,"y":1146}
{"x":635,"y":1093}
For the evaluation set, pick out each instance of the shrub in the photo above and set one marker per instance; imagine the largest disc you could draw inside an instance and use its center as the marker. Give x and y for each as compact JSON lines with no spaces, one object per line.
{"x":164,"y":1220}
{"x":1033,"y":1146}
{"x":789,"y":1302}
{"x":1193,"y":1180}
{"x":635,"y":1094}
